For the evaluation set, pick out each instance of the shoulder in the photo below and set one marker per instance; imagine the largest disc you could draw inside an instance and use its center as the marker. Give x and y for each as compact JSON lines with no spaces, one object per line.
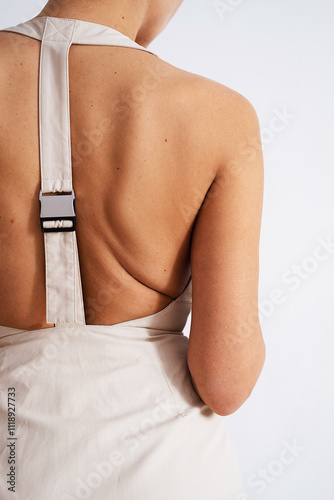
{"x":209,"y":112}
{"x":14,"y":47}
{"x":205,"y":99}
{"x":10,"y":40}
{"x":210,"y":93}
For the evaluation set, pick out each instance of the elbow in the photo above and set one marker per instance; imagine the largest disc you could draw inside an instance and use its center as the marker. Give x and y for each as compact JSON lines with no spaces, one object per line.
{"x":226,"y":392}
{"x":222,"y":403}
{"x":219,"y":402}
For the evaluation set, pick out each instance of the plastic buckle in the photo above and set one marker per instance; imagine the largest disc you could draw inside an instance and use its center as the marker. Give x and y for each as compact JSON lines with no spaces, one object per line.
{"x":57,"y":207}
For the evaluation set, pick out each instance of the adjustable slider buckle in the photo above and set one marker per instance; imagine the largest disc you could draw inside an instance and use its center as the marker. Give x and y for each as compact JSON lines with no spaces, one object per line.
{"x":58,"y":207}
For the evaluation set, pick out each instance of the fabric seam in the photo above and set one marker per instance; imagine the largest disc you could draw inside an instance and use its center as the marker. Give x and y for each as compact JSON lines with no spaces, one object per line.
{"x":166,"y":380}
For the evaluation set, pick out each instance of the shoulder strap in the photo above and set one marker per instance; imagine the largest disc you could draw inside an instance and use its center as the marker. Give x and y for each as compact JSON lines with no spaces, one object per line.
{"x":84,"y":33}
{"x":64,"y":300}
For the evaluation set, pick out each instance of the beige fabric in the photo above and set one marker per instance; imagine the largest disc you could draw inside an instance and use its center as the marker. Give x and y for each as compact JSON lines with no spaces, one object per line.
{"x":101,"y":412}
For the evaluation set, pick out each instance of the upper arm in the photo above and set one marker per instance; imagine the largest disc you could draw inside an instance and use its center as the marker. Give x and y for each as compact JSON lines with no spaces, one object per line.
{"x":226,"y":349}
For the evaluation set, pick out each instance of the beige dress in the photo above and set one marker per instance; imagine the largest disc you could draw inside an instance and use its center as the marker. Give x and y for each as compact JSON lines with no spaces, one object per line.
{"x":99,"y":412}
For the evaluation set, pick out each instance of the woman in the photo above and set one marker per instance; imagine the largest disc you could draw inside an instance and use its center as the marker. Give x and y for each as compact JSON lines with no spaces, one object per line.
{"x":120,"y":174}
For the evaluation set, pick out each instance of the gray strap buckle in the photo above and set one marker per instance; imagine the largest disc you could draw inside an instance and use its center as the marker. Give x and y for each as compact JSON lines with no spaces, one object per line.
{"x":58,"y":207}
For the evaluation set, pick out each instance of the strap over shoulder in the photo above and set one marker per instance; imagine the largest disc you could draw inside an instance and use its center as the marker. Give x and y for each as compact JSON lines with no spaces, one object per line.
{"x":84,"y":32}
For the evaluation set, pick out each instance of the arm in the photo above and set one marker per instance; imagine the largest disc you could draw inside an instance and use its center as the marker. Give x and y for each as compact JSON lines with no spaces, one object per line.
{"x":226,"y":351}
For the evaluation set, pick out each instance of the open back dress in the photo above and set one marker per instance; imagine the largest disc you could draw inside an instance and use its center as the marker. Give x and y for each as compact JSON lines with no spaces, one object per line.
{"x":97,"y":411}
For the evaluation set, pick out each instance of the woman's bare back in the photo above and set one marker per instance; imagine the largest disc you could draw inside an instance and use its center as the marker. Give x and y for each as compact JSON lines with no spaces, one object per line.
{"x":168,"y":179}
{"x":144,"y":154}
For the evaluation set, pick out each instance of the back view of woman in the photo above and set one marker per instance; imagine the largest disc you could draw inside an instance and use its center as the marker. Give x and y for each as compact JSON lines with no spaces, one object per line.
{"x":130,"y":195}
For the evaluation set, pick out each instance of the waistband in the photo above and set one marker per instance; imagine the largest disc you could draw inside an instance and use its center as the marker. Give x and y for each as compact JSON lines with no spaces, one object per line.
{"x":121,"y":331}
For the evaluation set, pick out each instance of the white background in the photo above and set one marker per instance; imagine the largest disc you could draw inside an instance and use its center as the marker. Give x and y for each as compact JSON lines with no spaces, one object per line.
{"x":278,"y":54}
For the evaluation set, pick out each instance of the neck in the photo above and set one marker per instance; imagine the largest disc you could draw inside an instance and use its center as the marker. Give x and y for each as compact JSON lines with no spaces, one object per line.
{"x":126,"y":16}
